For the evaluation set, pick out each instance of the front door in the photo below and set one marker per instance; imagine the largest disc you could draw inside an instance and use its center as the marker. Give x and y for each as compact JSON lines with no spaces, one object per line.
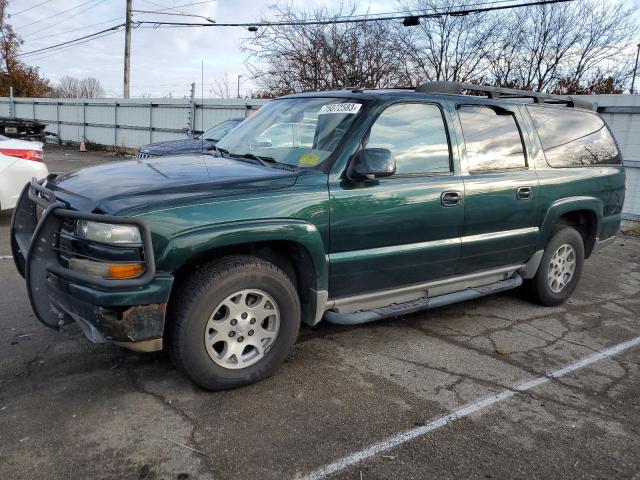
{"x":403,"y":229}
{"x":501,"y":190}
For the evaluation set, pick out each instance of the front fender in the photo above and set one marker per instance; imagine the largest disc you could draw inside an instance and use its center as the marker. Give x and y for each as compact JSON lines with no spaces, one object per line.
{"x":566,"y":205}
{"x":196,"y":243}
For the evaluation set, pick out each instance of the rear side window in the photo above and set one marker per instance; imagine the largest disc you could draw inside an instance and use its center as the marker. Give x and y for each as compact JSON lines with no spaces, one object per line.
{"x":416,"y":135}
{"x":492,"y":139}
{"x":572,"y":138}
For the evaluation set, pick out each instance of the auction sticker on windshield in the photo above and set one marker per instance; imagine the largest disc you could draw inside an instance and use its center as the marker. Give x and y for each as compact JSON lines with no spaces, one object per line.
{"x":340,"y":108}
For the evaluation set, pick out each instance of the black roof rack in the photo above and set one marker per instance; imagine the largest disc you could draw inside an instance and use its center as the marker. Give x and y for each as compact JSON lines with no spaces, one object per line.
{"x":457,"y":88}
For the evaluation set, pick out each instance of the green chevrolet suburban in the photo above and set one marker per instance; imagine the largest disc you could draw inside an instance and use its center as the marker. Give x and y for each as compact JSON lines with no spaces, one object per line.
{"x":346,"y":206}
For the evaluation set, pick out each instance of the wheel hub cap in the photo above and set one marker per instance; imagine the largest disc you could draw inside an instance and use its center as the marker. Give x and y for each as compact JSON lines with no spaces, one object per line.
{"x":242,"y":328}
{"x":561,"y":268}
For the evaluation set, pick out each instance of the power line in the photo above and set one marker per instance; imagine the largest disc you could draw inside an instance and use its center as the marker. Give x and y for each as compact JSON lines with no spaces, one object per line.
{"x":75,"y":29}
{"x":51,"y":53}
{"x":187,"y":5}
{"x":11,"y":15}
{"x":69,"y":17}
{"x":90,"y":36}
{"x":55,"y":15}
{"x":157,"y":4}
{"x":480,"y":8}
{"x":343,"y":20}
{"x":178,"y":14}
{"x":112,"y":20}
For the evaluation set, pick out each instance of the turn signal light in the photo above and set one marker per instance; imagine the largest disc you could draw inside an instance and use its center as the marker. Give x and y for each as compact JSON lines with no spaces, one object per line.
{"x":34,"y":155}
{"x":109,"y":271}
{"x":129,"y":270}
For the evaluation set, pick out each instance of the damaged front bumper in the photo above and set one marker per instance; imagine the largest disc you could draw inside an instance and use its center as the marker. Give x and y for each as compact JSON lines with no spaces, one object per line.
{"x":130,"y":312}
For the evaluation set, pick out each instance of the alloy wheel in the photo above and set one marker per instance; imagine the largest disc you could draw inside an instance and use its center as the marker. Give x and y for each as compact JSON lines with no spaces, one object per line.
{"x":242,"y":328}
{"x":562,"y":267}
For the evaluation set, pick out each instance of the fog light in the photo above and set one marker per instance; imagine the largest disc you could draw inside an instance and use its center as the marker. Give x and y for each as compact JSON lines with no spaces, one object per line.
{"x":115,"y":271}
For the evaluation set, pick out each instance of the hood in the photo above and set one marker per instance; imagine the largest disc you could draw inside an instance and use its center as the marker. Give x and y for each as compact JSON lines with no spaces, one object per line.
{"x":175,"y":147}
{"x":159,"y":182}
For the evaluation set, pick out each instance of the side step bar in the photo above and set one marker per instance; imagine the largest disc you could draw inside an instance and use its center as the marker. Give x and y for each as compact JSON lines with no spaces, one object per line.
{"x":395,"y":310}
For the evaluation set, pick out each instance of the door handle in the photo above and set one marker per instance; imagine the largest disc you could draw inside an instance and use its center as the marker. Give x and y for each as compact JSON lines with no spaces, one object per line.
{"x":524,"y":193}
{"x":451,"y":199}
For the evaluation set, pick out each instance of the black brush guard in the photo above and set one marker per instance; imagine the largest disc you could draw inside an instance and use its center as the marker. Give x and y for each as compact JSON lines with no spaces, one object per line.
{"x":34,"y":245}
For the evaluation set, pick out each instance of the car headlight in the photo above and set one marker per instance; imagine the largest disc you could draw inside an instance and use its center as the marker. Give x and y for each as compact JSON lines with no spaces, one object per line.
{"x":108,"y":232}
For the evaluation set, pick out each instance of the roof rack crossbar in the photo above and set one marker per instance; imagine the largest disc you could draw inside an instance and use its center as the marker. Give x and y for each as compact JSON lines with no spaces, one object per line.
{"x":456,"y":88}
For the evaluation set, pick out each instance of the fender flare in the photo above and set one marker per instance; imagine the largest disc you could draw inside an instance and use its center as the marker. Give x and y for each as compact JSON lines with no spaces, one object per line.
{"x":197,"y":242}
{"x":566,"y":205}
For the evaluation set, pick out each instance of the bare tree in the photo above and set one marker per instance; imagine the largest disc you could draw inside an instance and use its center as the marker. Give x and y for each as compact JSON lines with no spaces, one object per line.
{"x":221,"y":88}
{"x":70,"y":87}
{"x":578,"y":47}
{"x":563,"y":49}
{"x":446,"y":48}
{"x":297,"y":58}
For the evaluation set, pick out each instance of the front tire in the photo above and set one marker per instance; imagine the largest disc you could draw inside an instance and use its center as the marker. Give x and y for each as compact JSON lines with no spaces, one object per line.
{"x":560,"y":269}
{"x":234,"y":322}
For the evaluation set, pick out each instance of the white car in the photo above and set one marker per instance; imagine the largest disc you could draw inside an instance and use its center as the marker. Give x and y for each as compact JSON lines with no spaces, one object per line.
{"x":20,"y":161}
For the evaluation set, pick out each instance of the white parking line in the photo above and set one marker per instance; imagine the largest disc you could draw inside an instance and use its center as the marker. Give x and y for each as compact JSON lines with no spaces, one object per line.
{"x":6,"y":257}
{"x":465,"y":411}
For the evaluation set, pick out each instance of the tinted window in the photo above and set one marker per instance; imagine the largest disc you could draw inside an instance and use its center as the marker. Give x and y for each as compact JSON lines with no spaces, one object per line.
{"x":415,"y":134}
{"x":492,"y":139}
{"x":572,"y":138}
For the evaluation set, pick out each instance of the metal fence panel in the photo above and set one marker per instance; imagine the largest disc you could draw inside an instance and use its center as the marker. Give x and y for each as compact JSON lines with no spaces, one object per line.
{"x":127,"y":123}
{"x":622,"y":114}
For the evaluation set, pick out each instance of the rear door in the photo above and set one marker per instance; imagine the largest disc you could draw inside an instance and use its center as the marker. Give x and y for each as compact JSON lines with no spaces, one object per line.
{"x":501,"y":189}
{"x":402,"y":229}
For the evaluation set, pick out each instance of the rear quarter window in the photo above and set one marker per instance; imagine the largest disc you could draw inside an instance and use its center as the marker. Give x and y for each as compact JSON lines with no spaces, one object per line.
{"x":571,"y":138}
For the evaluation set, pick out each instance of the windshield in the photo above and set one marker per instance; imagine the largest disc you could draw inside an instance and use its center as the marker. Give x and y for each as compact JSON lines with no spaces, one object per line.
{"x":301,"y":132}
{"x":220,"y":130}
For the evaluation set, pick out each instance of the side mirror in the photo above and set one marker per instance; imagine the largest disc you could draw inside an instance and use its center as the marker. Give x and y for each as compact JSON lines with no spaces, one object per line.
{"x":372,"y":163}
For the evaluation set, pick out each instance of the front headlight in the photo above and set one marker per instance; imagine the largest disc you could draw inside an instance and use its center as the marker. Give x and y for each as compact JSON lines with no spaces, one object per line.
{"x":108,"y":232}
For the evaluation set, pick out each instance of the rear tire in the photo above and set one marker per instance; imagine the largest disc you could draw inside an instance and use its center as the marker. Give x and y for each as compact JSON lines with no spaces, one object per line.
{"x":234,"y":322}
{"x":560,"y":269}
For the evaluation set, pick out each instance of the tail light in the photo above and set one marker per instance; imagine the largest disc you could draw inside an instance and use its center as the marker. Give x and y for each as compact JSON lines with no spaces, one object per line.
{"x":34,"y":155}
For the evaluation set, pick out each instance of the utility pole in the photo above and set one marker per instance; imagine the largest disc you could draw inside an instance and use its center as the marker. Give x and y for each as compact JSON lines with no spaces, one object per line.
{"x":239,"y":85}
{"x":127,"y":49}
{"x":635,"y":70}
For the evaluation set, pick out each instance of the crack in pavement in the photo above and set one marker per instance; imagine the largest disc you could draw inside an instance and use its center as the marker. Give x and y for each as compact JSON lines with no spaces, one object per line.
{"x":182,"y":414}
{"x":513,"y":363}
{"x":501,"y":386}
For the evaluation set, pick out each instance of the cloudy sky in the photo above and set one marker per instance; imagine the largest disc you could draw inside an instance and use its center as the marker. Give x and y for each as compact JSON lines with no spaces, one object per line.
{"x":164,"y":60}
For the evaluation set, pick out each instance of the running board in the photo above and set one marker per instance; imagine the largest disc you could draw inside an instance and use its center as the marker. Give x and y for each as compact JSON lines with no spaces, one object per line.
{"x":395,"y":310}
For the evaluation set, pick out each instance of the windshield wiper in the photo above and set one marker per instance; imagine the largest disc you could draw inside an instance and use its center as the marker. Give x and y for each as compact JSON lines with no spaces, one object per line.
{"x":221,"y":151}
{"x":264,"y":161}
{"x":270,"y":161}
{"x":257,"y":159}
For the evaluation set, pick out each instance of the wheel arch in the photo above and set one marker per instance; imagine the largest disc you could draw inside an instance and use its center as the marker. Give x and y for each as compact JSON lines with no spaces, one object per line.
{"x":582,"y":213}
{"x":294,"y":246}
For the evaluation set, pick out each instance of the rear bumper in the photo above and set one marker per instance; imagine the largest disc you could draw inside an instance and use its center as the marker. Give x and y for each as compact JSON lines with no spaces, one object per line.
{"x":130,"y":313}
